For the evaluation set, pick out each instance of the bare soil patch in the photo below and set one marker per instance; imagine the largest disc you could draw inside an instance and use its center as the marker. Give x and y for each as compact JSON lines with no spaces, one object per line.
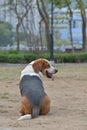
{"x":68,"y":93}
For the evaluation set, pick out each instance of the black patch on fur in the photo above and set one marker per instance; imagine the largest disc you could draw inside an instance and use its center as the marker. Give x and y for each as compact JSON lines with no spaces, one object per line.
{"x":32,"y":88}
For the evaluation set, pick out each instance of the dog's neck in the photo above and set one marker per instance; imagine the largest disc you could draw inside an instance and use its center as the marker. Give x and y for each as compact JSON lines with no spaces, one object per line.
{"x":28,"y":70}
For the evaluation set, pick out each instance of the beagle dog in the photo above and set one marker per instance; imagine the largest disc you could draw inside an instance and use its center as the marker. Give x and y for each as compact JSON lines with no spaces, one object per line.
{"x":34,"y":100}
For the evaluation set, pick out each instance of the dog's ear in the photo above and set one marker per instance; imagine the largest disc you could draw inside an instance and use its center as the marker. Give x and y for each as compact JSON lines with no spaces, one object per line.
{"x":37,"y":65}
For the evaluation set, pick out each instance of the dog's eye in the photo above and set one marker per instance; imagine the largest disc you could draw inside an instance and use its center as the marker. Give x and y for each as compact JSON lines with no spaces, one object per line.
{"x":48,"y":65}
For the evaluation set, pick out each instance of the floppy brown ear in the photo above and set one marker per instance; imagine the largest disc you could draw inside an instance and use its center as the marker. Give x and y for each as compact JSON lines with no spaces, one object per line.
{"x":37,"y":66}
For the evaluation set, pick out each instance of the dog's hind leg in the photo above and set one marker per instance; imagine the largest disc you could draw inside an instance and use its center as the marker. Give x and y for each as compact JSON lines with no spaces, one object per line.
{"x":45,"y":105}
{"x":25,"y":107}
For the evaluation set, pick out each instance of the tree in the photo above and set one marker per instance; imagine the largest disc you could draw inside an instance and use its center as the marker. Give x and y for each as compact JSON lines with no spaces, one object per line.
{"x":81,"y":6}
{"x":67,"y":3}
{"x":5,"y":34}
{"x":21,"y":9}
{"x":45,"y":17}
{"x":25,"y":15}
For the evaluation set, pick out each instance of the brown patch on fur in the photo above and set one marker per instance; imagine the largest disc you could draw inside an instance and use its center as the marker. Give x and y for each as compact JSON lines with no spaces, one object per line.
{"x":45,"y":105}
{"x":40,"y":65}
{"x":25,"y":106}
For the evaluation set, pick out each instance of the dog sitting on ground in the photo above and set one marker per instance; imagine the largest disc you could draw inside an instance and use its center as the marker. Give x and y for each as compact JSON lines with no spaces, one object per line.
{"x":34,"y":100}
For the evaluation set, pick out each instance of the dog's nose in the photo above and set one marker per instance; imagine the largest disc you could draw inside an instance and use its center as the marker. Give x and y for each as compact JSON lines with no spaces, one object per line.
{"x":56,"y":70}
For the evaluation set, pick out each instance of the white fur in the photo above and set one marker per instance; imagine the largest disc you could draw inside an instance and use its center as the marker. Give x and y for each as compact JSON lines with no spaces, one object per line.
{"x":25,"y":117}
{"x":51,"y":69}
{"x":28,"y":70}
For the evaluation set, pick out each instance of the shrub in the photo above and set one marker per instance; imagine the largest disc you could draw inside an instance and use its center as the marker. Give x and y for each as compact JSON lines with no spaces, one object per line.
{"x":12,"y":58}
{"x":3,"y":58}
{"x":22,"y":57}
{"x":71,"y":58}
{"x":30,"y":57}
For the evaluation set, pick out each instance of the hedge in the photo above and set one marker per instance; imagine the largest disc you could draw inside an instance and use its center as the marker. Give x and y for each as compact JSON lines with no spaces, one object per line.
{"x":71,"y":58}
{"x":15,"y":57}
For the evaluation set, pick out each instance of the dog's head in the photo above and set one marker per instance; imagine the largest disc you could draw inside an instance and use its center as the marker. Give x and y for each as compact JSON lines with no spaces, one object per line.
{"x":44,"y":66}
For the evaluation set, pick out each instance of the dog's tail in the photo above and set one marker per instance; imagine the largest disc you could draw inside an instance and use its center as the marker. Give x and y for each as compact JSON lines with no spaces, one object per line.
{"x":35,"y":113}
{"x":25,"y":117}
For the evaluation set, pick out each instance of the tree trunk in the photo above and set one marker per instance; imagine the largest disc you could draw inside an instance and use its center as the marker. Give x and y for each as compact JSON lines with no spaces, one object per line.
{"x":47,"y":36}
{"x":84,"y":31}
{"x":71,"y":38}
{"x":70,"y":25}
{"x":18,"y":39}
{"x":40,"y":34}
{"x":83,"y":15}
{"x":45,"y":17}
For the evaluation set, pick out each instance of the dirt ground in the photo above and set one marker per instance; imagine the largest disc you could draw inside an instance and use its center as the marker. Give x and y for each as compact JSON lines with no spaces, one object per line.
{"x":68,"y":94}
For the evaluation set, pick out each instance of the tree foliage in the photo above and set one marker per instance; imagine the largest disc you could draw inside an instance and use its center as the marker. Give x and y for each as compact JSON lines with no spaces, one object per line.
{"x":24,"y":13}
{"x":45,"y":18}
{"x":5,"y":34}
{"x":81,"y":5}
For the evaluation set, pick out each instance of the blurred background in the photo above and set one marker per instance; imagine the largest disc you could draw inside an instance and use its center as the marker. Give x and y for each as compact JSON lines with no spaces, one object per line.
{"x":25,"y":25}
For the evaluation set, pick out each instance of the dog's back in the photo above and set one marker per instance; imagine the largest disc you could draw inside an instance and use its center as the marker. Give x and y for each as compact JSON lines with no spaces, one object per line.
{"x":32,"y":88}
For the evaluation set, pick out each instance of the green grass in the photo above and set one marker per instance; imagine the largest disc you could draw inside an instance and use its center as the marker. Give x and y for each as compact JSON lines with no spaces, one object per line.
{"x":10,"y":71}
{"x":78,"y":71}
{"x":3,"y":111}
{"x":64,"y":71}
{"x":4,"y":95}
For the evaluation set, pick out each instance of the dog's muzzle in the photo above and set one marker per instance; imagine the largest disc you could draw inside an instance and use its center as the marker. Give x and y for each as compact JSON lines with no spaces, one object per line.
{"x":50,"y":75}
